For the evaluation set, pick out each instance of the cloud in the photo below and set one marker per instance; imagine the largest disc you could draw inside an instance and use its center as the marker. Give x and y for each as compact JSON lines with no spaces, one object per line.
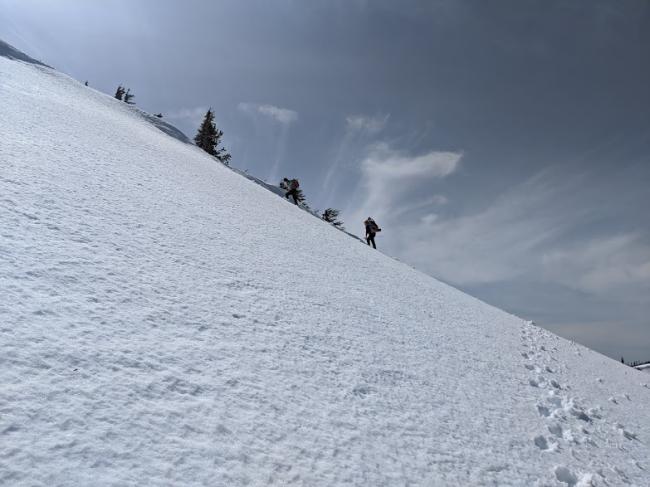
{"x":419,"y":204}
{"x":612,"y":264}
{"x":356,"y":127}
{"x":496,"y":244}
{"x":386,"y":166}
{"x":535,"y":231}
{"x":429,"y":218}
{"x":365,"y":125}
{"x":192,"y":116}
{"x":283,"y":116}
{"x":389,"y":179}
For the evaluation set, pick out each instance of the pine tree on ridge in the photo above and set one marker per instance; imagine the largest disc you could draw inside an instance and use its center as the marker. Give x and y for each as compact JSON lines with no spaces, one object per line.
{"x":128,"y":97}
{"x":331,"y":215}
{"x":119,"y":94}
{"x":208,"y":138}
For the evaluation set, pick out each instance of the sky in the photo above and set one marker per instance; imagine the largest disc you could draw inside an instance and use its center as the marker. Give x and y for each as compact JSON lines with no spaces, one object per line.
{"x":503,"y":146}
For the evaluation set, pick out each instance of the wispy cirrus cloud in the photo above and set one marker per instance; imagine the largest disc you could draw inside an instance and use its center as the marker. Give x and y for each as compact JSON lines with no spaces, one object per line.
{"x":280,"y":115}
{"x":282,"y":119}
{"x":384,"y":165}
{"x":188,"y":116}
{"x":358,"y":128}
{"x":389,"y":179}
{"x":535,"y":231}
{"x":617,"y":264}
{"x":366,"y":125}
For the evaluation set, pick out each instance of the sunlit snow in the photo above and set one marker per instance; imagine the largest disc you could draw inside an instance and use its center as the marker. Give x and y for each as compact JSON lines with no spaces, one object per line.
{"x":166,"y":321}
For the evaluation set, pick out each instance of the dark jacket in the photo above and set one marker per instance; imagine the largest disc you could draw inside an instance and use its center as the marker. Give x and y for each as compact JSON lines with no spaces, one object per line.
{"x":371,"y":227}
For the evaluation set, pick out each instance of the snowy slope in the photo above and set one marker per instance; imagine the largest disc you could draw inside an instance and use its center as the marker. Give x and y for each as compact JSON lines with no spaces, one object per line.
{"x":10,"y":52}
{"x":644,"y":368}
{"x":165,"y":321}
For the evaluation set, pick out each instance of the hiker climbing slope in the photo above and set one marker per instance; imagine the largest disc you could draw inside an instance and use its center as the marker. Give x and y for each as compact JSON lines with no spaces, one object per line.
{"x":371,"y":230}
{"x":293,"y":186}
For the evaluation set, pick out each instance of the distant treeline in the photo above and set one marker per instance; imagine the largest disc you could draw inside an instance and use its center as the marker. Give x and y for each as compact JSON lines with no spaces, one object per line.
{"x":635,"y":363}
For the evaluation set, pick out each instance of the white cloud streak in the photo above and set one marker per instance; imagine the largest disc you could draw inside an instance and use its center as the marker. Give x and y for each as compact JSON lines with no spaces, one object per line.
{"x":602,"y":265}
{"x":526,"y":233}
{"x":365,"y":125}
{"x":193,"y":116}
{"x":280,"y":115}
{"x":388,"y":176}
{"x":282,"y":118}
{"x":356,"y":127}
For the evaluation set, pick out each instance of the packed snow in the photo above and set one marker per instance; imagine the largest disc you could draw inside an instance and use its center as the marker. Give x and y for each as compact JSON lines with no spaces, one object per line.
{"x":166,"y":321}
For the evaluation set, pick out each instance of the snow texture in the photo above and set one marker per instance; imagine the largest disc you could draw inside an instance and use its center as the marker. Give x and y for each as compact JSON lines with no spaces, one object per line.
{"x":11,"y":52}
{"x":165,"y":321}
{"x":644,"y":368}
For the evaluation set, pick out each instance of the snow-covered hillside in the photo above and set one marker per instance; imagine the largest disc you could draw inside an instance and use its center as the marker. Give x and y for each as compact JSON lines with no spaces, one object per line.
{"x":166,"y":321}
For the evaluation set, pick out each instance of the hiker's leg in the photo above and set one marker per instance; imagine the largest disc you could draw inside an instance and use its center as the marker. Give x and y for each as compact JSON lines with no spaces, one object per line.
{"x":372,"y":239}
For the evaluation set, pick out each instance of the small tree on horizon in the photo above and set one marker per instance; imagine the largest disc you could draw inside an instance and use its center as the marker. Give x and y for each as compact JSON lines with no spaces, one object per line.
{"x":208,"y":138}
{"x":119,"y":94}
{"x":331,"y":215}
{"x":128,"y":96}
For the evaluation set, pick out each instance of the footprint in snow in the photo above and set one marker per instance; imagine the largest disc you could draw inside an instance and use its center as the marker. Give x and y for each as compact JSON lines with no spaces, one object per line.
{"x":543,"y":444}
{"x":627,"y":434}
{"x":566,"y":476}
{"x":581,"y":415}
{"x":556,"y":429}
{"x":362,"y":390}
{"x":543,"y":411}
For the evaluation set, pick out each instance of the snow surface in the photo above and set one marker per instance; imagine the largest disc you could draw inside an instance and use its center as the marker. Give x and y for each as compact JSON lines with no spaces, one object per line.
{"x":644,"y":368}
{"x":165,"y":321}
{"x":11,"y":52}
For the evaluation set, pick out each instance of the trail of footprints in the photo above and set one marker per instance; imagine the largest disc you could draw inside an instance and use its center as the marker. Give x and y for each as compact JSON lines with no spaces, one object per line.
{"x":570,"y":425}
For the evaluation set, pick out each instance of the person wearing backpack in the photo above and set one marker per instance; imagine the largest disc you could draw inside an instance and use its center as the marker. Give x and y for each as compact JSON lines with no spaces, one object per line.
{"x":371,"y":230}
{"x":293,"y":186}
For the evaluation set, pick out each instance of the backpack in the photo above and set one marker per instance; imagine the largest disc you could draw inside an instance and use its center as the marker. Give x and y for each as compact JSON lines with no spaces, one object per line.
{"x":373,"y":226}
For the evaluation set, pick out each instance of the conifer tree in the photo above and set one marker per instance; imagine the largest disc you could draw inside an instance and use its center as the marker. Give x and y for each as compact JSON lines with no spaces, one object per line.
{"x":208,"y":138}
{"x":331,"y":215}
{"x":119,"y":94}
{"x":128,"y":97}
